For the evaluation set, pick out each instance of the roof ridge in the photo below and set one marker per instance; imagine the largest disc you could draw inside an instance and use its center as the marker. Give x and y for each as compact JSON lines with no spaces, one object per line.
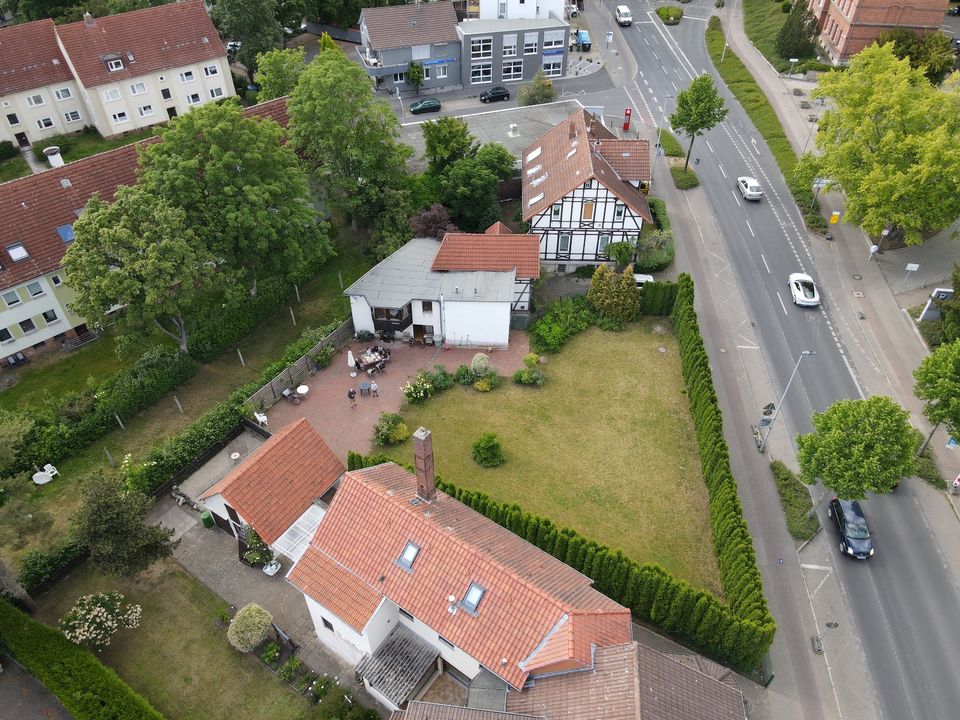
{"x":128,"y":13}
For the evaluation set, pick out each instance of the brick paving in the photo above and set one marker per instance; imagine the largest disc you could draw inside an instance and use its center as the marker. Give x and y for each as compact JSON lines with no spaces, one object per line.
{"x":345,"y":428}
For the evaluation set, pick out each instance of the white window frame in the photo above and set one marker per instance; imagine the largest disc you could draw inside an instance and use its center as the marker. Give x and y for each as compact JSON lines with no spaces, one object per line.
{"x":531,"y":43}
{"x":40,"y":291}
{"x":187,"y":76}
{"x":18,"y":301}
{"x":473,"y":597}
{"x":216,"y":93}
{"x":555,"y":210}
{"x":24,"y":330}
{"x":165,"y":94}
{"x":55,"y":279}
{"x":56,"y":318}
{"x":509,"y":46}
{"x":441,"y":72}
{"x":211,"y":70}
{"x":45,"y":123}
{"x":16,"y":249}
{"x":146,"y":111}
{"x":409,"y":555}
{"x":601,"y":245}
{"x":193,"y":99}
{"x":560,"y":247}
{"x":35,"y":100}
{"x":501,"y":9}
{"x":112,"y":95}
{"x":63,"y":93}
{"x":427,"y":72}
{"x":481,"y":77}
{"x":67,"y":116}
{"x":553,"y":68}
{"x":481,"y":48}
{"x":16,"y":117}
{"x":420,"y":52}
{"x":114,"y":65}
{"x":138,"y":88}
{"x":553,"y":39}
{"x":400,"y":78}
{"x":515,"y":70}
{"x":8,"y":338}
{"x":619,"y":211}
{"x":118,"y":118}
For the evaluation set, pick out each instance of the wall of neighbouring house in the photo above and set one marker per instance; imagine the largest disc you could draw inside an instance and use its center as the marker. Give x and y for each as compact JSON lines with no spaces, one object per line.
{"x":31,"y":307}
{"x":28,"y":117}
{"x":344,"y":641}
{"x":422,"y":317}
{"x":476,"y":323}
{"x":452,"y":655}
{"x":217,"y":505}
{"x":362,"y":315}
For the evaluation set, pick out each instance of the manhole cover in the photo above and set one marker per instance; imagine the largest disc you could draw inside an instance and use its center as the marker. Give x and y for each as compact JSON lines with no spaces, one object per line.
{"x":857,"y":293}
{"x":661,"y":349}
{"x":858,"y":277}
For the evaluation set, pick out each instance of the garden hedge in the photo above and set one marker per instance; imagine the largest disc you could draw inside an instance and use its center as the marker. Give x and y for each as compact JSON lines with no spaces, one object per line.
{"x":87,"y":688}
{"x":39,"y":569}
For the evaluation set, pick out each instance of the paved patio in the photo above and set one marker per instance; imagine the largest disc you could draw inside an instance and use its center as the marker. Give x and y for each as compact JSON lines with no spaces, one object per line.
{"x":345,"y":428}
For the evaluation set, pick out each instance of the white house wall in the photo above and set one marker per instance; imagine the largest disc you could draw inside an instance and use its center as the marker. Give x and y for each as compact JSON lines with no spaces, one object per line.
{"x":343,"y":640}
{"x":521,"y":294}
{"x":32,"y":308}
{"x":477,"y":323}
{"x":216,"y":504}
{"x":28,"y":117}
{"x":362,"y":315}
{"x":430,"y":317}
{"x":520,"y":9}
{"x":452,"y":655}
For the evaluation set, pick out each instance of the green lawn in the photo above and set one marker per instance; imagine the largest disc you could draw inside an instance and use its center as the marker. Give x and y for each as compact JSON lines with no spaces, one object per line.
{"x":605,"y":447}
{"x":91,"y":144}
{"x":762,"y":21}
{"x":13,"y":168}
{"x":179,"y":659}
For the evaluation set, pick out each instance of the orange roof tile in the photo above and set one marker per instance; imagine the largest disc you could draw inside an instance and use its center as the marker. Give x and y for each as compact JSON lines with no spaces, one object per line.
{"x":490,"y":251}
{"x":159,"y":38}
{"x":336,"y":588}
{"x":566,"y":159}
{"x":630,"y":159}
{"x":528,"y":593}
{"x":280,"y":479}
{"x":30,"y":58}
{"x":33,"y":207}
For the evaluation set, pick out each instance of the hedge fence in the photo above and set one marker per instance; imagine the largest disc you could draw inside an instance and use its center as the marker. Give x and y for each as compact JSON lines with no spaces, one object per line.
{"x":87,"y":688}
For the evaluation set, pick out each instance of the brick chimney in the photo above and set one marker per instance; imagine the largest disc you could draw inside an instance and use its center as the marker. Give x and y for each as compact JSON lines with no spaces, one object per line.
{"x":89,"y":20}
{"x":573,"y":130}
{"x":423,"y":464}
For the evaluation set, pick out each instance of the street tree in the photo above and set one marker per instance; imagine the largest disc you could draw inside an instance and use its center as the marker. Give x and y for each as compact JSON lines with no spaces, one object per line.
{"x":540,"y":90}
{"x":930,"y":52}
{"x":891,"y":142}
{"x":348,"y":136}
{"x":391,"y":222}
{"x":469,"y":190}
{"x":497,"y":159}
{"x":140,"y":253}
{"x":414,"y":75}
{"x":111,"y":522}
{"x":447,"y":140}
{"x":278,"y":72}
{"x":699,"y":108}
{"x":858,"y":446}
{"x":938,"y":385}
{"x":244,"y":192}
{"x":797,"y":37}
{"x":253,"y":23}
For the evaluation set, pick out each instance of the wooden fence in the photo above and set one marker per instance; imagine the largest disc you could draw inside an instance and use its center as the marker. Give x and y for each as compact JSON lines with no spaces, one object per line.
{"x":295,"y":373}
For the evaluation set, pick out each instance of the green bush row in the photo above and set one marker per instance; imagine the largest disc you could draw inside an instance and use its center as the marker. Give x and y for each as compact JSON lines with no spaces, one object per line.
{"x":670,"y":15}
{"x":40,"y":568}
{"x":732,"y":543}
{"x":684,"y":179}
{"x":761,"y":113}
{"x":671,"y":146}
{"x":8,"y":150}
{"x":87,"y":688}
{"x":795,"y":498}
{"x":658,"y":209}
{"x":64,"y":426}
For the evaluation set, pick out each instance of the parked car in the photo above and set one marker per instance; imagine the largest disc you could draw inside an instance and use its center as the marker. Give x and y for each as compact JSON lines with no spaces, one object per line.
{"x":572,"y":11}
{"x":642,"y":279}
{"x":426,"y":105}
{"x":803,"y":290}
{"x":749,"y":188}
{"x":851,"y":523}
{"x":495,"y":93}
{"x":623,"y":16}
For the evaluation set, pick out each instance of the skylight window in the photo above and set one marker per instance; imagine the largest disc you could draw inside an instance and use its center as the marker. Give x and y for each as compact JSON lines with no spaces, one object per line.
{"x":535,"y":199}
{"x":409,"y":554}
{"x":66,"y":233}
{"x":534,"y":154}
{"x":471,"y":601}
{"x":17,"y":252}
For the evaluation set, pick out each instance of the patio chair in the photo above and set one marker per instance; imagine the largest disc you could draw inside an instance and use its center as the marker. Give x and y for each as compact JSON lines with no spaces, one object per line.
{"x":261,"y":419}
{"x":50,"y":470}
{"x":290,"y":396}
{"x":381,"y":366}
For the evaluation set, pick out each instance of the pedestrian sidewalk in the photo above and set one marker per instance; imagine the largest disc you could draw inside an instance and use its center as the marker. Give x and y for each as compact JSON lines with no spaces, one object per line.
{"x":36,"y":166}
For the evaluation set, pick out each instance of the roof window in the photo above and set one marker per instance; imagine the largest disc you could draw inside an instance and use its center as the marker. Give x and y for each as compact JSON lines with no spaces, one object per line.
{"x":66,"y":233}
{"x":17,"y":252}
{"x":113,"y":62}
{"x":535,"y":199}
{"x":409,"y":554}
{"x":535,"y":154}
{"x":471,"y":601}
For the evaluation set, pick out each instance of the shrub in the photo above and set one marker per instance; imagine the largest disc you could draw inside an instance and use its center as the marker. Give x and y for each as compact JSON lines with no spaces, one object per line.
{"x":87,"y":689}
{"x":657,"y":298}
{"x":486,"y":383}
{"x":480,"y":365}
{"x":288,"y":671}
{"x":390,"y":429}
{"x":271,"y":654}
{"x":655,"y":251}
{"x":531,"y":360}
{"x":249,"y":627}
{"x":658,"y":208}
{"x":585,"y":272}
{"x":563,"y":319}
{"x":325,"y":355}
{"x":258,"y":552}
{"x":614,"y":296}
{"x":540,"y":90}
{"x":8,"y":150}
{"x":463,"y":375}
{"x":321,"y":686}
{"x":670,"y":15}
{"x":529,"y":376}
{"x":65,"y":142}
{"x":95,"y":619}
{"x":795,"y":498}
{"x":786,"y":6}
{"x":440,"y":378}
{"x":40,"y":568}
{"x":684,"y":179}
{"x":671,"y":148}
{"x":419,"y":390}
{"x":487,"y":452}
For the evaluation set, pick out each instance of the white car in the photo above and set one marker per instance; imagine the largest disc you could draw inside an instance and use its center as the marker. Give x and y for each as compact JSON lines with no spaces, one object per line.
{"x":749,"y":188}
{"x":642,"y":279}
{"x":803,"y":290}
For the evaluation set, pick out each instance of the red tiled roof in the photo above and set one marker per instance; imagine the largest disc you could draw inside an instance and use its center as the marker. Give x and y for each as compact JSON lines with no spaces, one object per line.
{"x":336,"y":588}
{"x":401,"y":26}
{"x":566,"y":159}
{"x":630,"y":159}
{"x":280,"y":479}
{"x":33,"y":207}
{"x":490,"y":251}
{"x":417,"y":710}
{"x":30,"y":57}
{"x":528,"y":593}
{"x":159,"y":38}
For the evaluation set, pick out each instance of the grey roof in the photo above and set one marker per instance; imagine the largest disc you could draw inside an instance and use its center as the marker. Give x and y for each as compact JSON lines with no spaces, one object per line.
{"x":403,"y":26}
{"x":473,"y":27}
{"x":399,"y":664}
{"x":406,"y":276}
{"x":430,"y":711}
{"x":487,"y":692}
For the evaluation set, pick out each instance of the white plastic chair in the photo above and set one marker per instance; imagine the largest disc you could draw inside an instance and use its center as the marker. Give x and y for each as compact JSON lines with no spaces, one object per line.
{"x":261,"y":419}
{"x":50,"y":470}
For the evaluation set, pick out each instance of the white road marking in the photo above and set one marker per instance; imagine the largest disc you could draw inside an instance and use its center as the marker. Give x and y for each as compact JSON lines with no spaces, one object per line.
{"x":721,"y":171}
{"x":735,"y":198}
{"x":750,"y":228}
{"x":765,"y":264}
{"x":709,"y":145}
{"x":808,"y":566}
{"x":781,"y":303}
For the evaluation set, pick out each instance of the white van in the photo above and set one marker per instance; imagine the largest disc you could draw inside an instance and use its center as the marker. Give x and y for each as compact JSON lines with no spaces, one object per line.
{"x":623,"y":15}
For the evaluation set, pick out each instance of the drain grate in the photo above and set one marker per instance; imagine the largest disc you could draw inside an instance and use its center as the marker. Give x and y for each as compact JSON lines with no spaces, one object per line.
{"x":858,"y":277}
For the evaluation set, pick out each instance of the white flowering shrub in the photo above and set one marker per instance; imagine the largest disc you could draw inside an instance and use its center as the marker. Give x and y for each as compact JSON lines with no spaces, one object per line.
{"x":95,"y":619}
{"x":249,"y":627}
{"x":419,"y":390}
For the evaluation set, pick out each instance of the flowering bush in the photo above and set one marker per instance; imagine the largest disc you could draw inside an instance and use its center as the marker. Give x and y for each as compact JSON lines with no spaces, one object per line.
{"x":390,"y":429}
{"x":249,"y":627}
{"x":95,"y":619}
{"x":419,"y":390}
{"x":258,"y":552}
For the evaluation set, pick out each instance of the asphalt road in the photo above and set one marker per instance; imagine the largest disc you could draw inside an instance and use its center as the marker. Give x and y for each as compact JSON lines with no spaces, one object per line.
{"x":902,"y":602}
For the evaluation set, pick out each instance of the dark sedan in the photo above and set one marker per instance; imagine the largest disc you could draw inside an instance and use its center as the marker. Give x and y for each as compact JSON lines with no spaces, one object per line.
{"x":850,"y":522}
{"x":494,"y":93}
{"x":426,"y":105}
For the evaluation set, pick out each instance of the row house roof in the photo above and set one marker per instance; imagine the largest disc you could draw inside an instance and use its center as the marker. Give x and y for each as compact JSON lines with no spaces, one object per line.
{"x":401,"y":26}
{"x":30,"y":57}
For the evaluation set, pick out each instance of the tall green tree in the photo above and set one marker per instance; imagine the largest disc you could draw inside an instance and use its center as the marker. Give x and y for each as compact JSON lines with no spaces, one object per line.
{"x":699,"y":108}
{"x":348,"y":136}
{"x":244,"y":192}
{"x":858,"y":446}
{"x":328,"y":43}
{"x":497,"y":159}
{"x":537,"y":91}
{"x":447,"y":140}
{"x":278,"y":72}
{"x":111,"y":522}
{"x":253,"y":23}
{"x":930,"y":52}
{"x":469,"y":191}
{"x":891,"y":142}
{"x":797,"y":36}
{"x":140,"y":252}
{"x":938,"y":385}
{"x":414,"y":75}
{"x":614,"y":295}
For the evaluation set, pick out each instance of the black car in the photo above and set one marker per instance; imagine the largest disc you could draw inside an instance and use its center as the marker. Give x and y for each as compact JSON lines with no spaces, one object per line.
{"x":852,"y":526}
{"x":494,"y":93}
{"x":425,"y":106}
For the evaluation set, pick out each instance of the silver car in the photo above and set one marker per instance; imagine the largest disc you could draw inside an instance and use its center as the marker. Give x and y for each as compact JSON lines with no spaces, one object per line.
{"x":803,"y":290}
{"x":749,"y":188}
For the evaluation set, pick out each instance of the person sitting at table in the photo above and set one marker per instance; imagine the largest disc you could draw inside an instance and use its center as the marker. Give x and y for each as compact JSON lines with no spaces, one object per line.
{"x":386,"y":354}
{"x":358,"y":365}
{"x":375,"y":349}
{"x":381,"y":366}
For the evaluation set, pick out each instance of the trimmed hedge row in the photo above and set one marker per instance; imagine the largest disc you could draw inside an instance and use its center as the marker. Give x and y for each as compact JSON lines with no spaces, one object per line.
{"x":88,"y":689}
{"x":795,"y":499}
{"x":39,"y":569}
{"x":66,"y":425}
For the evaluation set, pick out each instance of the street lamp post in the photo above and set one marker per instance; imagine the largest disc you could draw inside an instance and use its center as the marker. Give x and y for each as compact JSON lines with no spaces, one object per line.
{"x":663,"y":118}
{"x":813,"y":124}
{"x":763,"y":441}
{"x":793,"y":61}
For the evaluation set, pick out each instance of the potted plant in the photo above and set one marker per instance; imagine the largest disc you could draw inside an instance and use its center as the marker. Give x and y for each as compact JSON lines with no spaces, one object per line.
{"x":258,"y":553}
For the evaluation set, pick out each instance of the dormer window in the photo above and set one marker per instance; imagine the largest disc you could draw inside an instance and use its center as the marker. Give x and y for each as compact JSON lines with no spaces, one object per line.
{"x":114,"y":65}
{"x":471,"y":601}
{"x":408,"y":556}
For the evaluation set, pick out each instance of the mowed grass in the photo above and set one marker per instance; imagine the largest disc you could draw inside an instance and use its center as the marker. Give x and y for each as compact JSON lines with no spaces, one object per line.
{"x":179,"y":659}
{"x":762,"y":20}
{"x":15,"y":167}
{"x":605,"y":447}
